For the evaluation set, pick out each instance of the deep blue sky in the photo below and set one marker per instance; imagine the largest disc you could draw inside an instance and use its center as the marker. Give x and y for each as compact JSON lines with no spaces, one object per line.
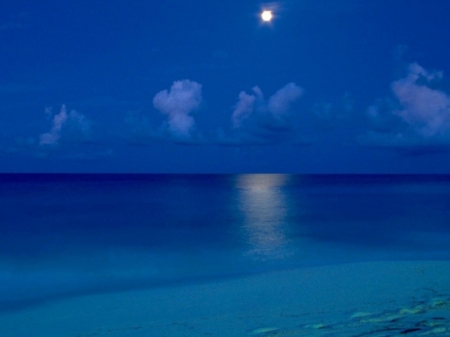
{"x":329,"y":86}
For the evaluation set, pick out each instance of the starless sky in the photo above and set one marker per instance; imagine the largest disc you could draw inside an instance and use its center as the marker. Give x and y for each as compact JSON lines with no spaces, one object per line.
{"x":175,"y":86}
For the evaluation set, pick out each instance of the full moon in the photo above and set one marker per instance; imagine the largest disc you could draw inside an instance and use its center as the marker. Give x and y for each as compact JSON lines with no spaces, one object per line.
{"x":266,"y":15}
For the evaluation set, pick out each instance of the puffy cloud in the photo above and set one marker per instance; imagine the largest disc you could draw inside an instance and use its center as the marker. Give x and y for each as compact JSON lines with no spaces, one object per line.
{"x":178,"y":103}
{"x":73,"y":124}
{"x":425,"y":109}
{"x":260,"y":121}
{"x":243,"y":108}
{"x":418,"y":115}
{"x":279,"y":103}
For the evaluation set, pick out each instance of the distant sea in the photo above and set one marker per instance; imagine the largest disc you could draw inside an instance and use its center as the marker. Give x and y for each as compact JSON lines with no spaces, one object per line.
{"x":66,"y":235}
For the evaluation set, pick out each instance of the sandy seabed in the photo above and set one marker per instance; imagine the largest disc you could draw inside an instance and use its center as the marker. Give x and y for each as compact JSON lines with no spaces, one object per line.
{"x":361,"y":299}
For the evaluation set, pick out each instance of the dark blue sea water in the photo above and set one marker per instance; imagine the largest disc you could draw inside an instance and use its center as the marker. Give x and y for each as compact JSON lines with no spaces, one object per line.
{"x":66,"y":235}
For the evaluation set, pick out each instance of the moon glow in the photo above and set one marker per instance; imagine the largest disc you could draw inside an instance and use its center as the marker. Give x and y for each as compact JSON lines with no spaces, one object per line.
{"x":266,"y":15}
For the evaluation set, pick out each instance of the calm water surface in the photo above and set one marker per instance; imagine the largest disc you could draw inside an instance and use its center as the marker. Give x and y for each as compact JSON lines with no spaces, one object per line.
{"x":64,"y":235}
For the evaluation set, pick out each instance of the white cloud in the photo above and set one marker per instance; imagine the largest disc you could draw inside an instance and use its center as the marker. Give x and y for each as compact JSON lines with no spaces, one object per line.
{"x":417,"y":116}
{"x":183,"y":98}
{"x":260,"y":121}
{"x":279,"y":103}
{"x":243,"y":109}
{"x":52,"y":137}
{"x":425,"y":109}
{"x":74,"y":124}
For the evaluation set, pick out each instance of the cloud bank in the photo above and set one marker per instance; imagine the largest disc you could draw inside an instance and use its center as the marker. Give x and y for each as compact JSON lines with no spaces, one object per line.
{"x":178,"y":104}
{"x":258,"y":120}
{"x":418,"y":115}
{"x":414,"y":119}
{"x":73,"y":125}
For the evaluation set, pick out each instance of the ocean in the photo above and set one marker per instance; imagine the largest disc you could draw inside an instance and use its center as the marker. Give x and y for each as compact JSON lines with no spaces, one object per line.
{"x":68,"y":235}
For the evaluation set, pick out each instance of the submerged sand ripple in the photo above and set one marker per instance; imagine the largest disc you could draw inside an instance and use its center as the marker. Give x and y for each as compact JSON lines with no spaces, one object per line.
{"x":358,"y":300}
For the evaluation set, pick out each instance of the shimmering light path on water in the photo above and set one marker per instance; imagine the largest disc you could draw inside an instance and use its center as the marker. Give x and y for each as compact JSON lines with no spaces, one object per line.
{"x":65,"y":235}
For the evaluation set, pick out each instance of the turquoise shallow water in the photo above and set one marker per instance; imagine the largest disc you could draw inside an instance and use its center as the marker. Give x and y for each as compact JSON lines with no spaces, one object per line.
{"x":69,"y":235}
{"x":356,"y":299}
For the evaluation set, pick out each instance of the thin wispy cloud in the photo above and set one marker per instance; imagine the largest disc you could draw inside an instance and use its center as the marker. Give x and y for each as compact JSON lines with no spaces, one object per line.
{"x":335,"y":115}
{"x":140,"y":130}
{"x":72,"y":125}
{"x":178,"y":104}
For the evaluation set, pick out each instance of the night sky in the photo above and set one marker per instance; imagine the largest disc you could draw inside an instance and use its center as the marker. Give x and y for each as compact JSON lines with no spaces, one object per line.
{"x":201,"y":86}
